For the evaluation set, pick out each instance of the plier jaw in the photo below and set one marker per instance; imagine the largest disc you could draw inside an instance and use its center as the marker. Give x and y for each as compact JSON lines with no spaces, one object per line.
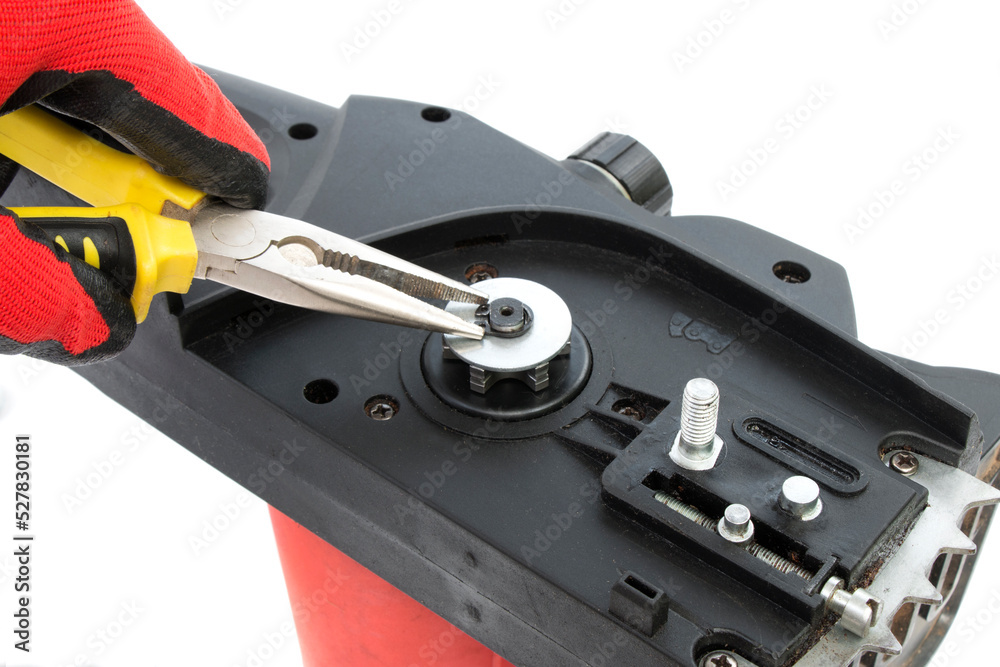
{"x":294,"y":262}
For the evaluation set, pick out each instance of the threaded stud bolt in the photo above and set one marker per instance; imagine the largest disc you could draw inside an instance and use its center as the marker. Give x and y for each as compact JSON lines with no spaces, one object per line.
{"x":697,"y":445}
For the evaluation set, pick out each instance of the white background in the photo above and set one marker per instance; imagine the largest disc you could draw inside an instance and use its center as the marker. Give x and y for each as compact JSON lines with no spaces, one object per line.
{"x":560,"y":76}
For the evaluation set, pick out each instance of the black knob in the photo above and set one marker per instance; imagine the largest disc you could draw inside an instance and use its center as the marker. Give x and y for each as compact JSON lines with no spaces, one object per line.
{"x":633,"y":166}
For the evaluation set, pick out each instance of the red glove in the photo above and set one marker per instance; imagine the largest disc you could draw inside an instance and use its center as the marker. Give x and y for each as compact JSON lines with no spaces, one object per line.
{"x":104,"y":62}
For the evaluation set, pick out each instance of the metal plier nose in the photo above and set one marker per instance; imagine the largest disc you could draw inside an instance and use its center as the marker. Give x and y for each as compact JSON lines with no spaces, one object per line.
{"x":294,"y":262}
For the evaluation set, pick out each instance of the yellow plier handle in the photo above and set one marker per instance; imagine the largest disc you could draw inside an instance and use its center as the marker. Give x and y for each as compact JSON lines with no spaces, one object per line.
{"x":125,"y":188}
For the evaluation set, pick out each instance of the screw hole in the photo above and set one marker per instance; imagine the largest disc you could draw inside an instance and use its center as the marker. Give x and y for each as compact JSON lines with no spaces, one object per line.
{"x":321,"y":391}
{"x":435,"y":114}
{"x":506,"y":311}
{"x":629,"y":407}
{"x":791,"y":272}
{"x":302,"y":131}
{"x":480,"y":271}
{"x":382,"y":408}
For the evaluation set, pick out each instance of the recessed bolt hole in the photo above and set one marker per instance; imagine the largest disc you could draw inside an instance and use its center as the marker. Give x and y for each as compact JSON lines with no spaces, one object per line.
{"x":381,"y":408}
{"x":629,"y":407}
{"x":435,"y":114}
{"x":321,"y":391}
{"x":791,"y":272}
{"x":480,"y":271}
{"x":506,"y":311}
{"x":302,"y":131}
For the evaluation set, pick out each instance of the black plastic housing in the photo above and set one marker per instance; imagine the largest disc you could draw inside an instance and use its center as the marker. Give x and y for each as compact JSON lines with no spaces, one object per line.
{"x":540,"y":536}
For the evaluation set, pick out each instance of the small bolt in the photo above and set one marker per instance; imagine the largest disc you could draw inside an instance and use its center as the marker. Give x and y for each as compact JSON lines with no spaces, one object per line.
{"x":904,"y":463}
{"x":382,"y":412}
{"x":699,"y":418}
{"x":800,"y":498}
{"x":735,"y":525}
{"x":720,"y":659}
{"x":479,"y":276}
{"x":627,"y":407}
{"x":381,"y":408}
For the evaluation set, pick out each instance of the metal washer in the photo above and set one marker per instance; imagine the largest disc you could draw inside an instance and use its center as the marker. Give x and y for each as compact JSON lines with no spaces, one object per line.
{"x":547,"y":338}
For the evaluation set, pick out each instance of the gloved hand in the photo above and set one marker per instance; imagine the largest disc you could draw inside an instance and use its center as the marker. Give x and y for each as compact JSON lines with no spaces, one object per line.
{"x":104,"y":62}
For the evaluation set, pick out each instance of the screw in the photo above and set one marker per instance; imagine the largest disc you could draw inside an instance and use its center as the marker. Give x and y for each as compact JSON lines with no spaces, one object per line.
{"x":628,"y":407}
{"x":720,"y":659}
{"x":800,"y":498}
{"x":479,"y":276}
{"x":735,"y":525}
{"x":381,"y":408}
{"x":382,"y":412}
{"x":699,"y":418}
{"x":904,"y":463}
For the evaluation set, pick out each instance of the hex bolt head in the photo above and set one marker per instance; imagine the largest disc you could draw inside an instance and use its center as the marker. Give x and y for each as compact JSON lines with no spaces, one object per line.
{"x":904,"y":463}
{"x":800,"y":498}
{"x":736,"y":525}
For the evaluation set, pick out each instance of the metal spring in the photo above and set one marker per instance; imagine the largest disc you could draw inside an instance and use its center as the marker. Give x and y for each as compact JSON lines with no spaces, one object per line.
{"x":779,"y":563}
{"x":685,"y":510}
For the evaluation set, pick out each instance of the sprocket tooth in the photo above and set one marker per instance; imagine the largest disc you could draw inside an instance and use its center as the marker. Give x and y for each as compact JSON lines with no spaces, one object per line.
{"x":925,"y":592}
{"x":881,"y":640}
{"x":958,"y":542}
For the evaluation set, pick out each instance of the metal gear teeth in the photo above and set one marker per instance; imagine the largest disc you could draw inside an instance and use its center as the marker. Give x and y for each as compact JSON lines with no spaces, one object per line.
{"x":904,"y":577}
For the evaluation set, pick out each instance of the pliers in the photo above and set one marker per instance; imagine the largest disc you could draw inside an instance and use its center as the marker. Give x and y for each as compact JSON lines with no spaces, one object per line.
{"x":152,"y":233}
